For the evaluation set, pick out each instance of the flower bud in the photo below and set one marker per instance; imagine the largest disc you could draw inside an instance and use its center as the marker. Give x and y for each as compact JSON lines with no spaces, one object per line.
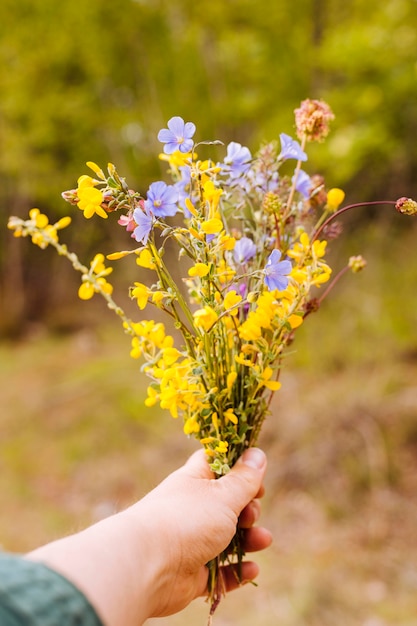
{"x":357,"y":263}
{"x":406,"y":206}
{"x":271,"y":203}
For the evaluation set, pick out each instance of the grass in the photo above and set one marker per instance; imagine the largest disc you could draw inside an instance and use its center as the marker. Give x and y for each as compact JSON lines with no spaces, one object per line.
{"x":76,"y":443}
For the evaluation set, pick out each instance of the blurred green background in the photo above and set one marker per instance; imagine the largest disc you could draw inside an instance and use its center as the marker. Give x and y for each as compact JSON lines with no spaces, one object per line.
{"x":96,"y":81}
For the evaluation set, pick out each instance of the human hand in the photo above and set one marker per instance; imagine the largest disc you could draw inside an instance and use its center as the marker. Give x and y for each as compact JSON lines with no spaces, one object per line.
{"x":194,"y":518}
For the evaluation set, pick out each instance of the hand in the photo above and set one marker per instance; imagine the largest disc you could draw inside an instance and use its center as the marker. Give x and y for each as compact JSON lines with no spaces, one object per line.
{"x":194,"y":519}
{"x":149,"y":560}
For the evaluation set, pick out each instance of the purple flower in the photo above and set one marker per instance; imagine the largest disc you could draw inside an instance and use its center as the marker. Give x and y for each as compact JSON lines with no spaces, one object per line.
{"x":276,"y":272}
{"x":290,"y":149}
{"x":303,"y":184}
{"x":144,"y":221}
{"x":177,"y":136}
{"x":244,"y":250}
{"x":162,"y":199}
{"x":237,"y":160}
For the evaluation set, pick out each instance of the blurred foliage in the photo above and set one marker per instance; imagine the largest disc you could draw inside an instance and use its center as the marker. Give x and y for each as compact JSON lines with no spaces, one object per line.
{"x":95,"y":81}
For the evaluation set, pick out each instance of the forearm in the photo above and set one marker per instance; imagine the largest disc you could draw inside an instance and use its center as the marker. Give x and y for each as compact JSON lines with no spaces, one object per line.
{"x":111,"y":564}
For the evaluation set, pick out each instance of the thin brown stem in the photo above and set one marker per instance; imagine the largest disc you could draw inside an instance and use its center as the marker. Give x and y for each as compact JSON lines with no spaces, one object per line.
{"x":347,"y":208}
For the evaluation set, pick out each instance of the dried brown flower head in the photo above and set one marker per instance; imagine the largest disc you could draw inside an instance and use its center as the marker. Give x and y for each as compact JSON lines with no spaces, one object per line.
{"x":312,"y":120}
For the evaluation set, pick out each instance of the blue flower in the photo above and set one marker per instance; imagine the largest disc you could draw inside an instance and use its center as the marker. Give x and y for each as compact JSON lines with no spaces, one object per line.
{"x":162,"y":199}
{"x":290,"y":149}
{"x":177,"y":136}
{"x":276,"y":272}
{"x":144,"y":221}
{"x":237,"y":160}
{"x":303,"y":184}
{"x":244,"y":250}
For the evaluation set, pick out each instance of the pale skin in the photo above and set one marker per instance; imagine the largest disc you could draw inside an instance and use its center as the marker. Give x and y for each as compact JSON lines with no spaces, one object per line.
{"x":149,"y":560}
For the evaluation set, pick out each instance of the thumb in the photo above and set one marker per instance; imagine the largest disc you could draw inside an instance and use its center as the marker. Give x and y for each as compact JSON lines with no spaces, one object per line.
{"x":244,"y":481}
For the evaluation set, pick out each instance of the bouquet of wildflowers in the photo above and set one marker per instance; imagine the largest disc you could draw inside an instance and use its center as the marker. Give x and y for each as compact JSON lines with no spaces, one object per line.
{"x":253,"y":244}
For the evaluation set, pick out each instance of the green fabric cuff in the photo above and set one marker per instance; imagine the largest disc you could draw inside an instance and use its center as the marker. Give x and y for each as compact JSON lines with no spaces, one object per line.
{"x":32,"y":594}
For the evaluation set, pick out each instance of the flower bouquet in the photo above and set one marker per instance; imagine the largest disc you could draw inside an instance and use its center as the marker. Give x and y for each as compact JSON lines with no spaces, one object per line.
{"x":252,"y":242}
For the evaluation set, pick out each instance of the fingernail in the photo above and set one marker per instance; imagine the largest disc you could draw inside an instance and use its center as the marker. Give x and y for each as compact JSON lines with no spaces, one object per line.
{"x":253,"y":457}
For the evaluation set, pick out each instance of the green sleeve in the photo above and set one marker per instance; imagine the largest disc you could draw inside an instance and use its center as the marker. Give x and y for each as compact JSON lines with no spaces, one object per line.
{"x":31,"y":594}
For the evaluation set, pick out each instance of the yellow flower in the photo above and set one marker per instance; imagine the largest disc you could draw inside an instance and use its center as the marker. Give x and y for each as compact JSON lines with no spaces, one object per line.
{"x":211,"y":194}
{"x":63,"y":222}
{"x":295,"y":321}
{"x":212,"y":226}
{"x":335,"y":198}
{"x":95,"y":281}
{"x":190,"y":206}
{"x":224,"y":272}
{"x":153,"y":397}
{"x":145,"y":259}
{"x":205,"y":317}
{"x":157,"y":297}
{"x":199,"y":269}
{"x":250,"y":330}
{"x":265,"y":380}
{"x":227,"y":242}
{"x":141,"y":293}
{"x":191,"y":426}
{"x":40,"y":219}
{"x":242,"y":361}
{"x":229,"y":416}
{"x":86,"y":291}
{"x":177,"y":159}
{"x":222,"y":447}
{"x":96,"y":169}
{"x":231,"y":378}
{"x":232,"y":299}
{"x":170,"y":355}
{"x":89,"y":198}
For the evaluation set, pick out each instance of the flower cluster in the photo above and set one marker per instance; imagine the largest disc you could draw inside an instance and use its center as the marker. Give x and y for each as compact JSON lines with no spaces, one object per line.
{"x":252,"y":234}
